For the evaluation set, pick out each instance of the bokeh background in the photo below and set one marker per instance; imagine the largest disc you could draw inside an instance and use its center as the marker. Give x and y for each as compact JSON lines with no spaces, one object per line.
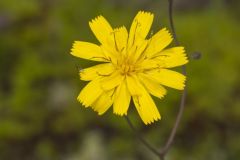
{"x":40,"y":118}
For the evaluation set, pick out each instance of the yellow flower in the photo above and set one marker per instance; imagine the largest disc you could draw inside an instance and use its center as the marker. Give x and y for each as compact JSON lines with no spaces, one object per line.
{"x":134,"y":67}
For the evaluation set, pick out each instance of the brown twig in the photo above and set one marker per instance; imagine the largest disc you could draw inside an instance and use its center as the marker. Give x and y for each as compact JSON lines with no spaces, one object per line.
{"x":164,"y":150}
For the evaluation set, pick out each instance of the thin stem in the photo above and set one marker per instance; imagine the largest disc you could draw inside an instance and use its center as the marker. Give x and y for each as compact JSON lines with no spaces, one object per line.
{"x":139,"y":136}
{"x":170,"y":140}
{"x":164,"y":150}
{"x":170,"y":15}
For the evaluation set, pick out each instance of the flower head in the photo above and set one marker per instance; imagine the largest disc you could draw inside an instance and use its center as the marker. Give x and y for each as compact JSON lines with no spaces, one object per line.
{"x":133,"y":67}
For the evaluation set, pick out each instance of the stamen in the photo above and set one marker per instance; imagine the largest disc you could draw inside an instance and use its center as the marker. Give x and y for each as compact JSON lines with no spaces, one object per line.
{"x":160,"y":56}
{"x":144,"y":50}
{"x":114,"y":35}
{"x":106,"y":75}
{"x":138,"y":25}
{"x":113,"y":92}
{"x":122,"y":49}
{"x":145,"y":57}
{"x":138,"y":101}
{"x":102,"y":58}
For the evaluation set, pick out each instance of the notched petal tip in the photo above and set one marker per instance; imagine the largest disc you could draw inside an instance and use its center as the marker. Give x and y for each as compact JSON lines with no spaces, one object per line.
{"x":166,"y":33}
{"x":73,"y":47}
{"x":186,"y":60}
{"x":163,"y":95}
{"x":183,"y":82}
{"x":83,"y":104}
{"x":94,"y":19}
{"x":145,"y":13}
{"x":100,"y":113}
{"x":120,"y":28}
{"x":119,"y":114}
{"x":155,"y":119}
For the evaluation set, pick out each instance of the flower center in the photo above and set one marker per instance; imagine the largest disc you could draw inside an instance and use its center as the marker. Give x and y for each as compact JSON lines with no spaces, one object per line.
{"x":126,"y":68}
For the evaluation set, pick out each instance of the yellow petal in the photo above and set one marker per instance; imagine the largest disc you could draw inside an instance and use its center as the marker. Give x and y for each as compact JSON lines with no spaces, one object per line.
{"x":110,"y":53}
{"x":168,"y":78}
{"x":147,"y":64}
{"x":112,"y":81}
{"x":122,"y":99}
{"x":133,"y":85}
{"x":140,"y":27}
{"x":172,"y":57}
{"x":102,"y":30}
{"x":152,"y":86}
{"x":104,"y":102}
{"x":158,"y":42}
{"x":137,"y":51}
{"x":94,"y":72}
{"x":120,"y":36}
{"x":90,"y":93}
{"x":88,"y":51}
{"x":146,"y":107}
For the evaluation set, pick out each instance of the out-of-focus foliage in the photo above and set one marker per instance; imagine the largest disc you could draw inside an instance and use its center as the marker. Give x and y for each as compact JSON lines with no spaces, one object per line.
{"x":40,"y":118}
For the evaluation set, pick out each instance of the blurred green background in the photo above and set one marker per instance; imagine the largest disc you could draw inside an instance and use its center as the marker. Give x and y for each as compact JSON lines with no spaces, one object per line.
{"x":40,"y":118}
